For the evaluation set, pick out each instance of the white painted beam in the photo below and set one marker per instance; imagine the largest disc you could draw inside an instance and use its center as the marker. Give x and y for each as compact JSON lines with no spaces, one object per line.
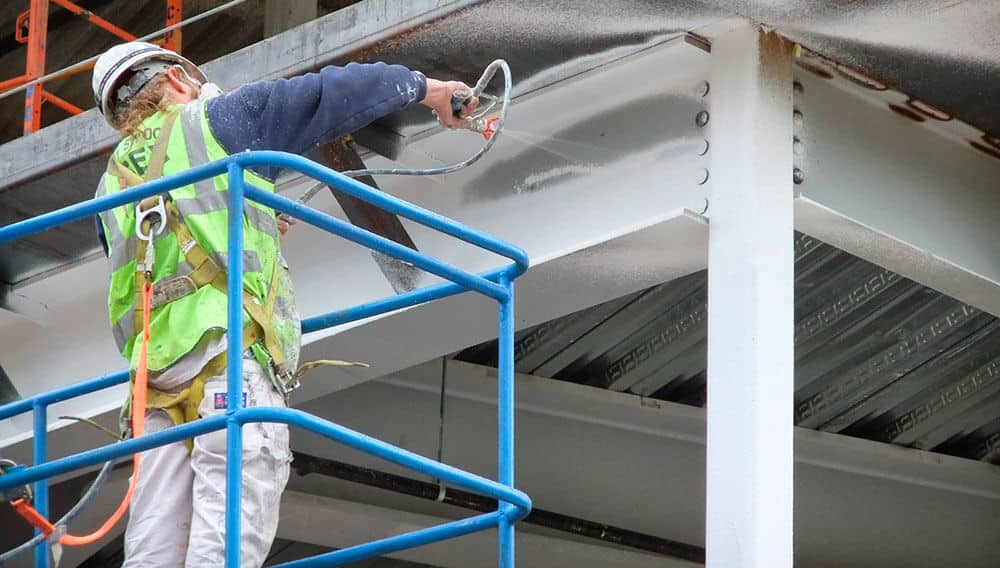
{"x":14,"y":304}
{"x":638,"y":463}
{"x":902,"y":194}
{"x":750,"y":303}
{"x":560,"y":284}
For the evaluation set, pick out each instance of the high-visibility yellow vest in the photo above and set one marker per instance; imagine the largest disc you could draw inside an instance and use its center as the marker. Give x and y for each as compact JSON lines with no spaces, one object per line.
{"x":183,"y":313}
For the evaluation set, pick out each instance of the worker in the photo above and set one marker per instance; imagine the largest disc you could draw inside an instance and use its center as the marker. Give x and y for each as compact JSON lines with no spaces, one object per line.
{"x":172,"y":119}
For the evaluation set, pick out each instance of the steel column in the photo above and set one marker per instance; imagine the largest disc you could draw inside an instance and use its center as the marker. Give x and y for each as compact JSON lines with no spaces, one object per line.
{"x":750,"y":300}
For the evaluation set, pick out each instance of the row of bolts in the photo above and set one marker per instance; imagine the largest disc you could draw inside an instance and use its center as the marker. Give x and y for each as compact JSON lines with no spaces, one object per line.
{"x":798,"y":148}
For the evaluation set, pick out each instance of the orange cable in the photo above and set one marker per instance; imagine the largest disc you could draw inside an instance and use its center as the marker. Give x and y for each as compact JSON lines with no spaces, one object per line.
{"x":138,"y":428}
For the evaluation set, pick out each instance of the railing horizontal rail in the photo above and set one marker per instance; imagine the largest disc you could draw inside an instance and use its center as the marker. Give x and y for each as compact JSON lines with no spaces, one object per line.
{"x":95,"y":384}
{"x":376,"y":242}
{"x":92,"y":207}
{"x":343,"y":183}
{"x":392,"y":303}
{"x":399,"y":542}
{"x":387,"y":202}
{"x":290,"y":416}
{"x":309,"y":325}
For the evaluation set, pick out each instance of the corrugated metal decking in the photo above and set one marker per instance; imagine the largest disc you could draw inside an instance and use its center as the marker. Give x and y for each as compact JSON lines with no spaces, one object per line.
{"x":877,"y":356}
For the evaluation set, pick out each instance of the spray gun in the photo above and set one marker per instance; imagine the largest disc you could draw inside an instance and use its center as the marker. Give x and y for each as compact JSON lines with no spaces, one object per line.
{"x":477,"y":122}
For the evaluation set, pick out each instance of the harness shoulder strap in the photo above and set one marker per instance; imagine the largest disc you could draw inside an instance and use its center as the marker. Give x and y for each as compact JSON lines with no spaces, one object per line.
{"x":208,"y":272}
{"x":157,"y":158}
{"x":128,"y":178}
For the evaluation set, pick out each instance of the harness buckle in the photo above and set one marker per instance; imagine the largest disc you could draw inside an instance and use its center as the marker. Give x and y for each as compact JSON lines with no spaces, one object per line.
{"x":286,"y":382}
{"x":152,"y":219}
{"x":20,"y":493}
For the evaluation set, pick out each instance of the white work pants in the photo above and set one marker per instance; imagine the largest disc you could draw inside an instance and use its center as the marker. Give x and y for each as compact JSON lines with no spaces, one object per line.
{"x":178,"y":512}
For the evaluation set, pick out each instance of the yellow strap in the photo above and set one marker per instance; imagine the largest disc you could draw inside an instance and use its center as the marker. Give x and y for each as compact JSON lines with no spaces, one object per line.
{"x":183,"y":407}
{"x":119,"y":170}
{"x":156,"y":159}
{"x":159,"y":155}
{"x":261,"y":314}
{"x":207,"y":271}
{"x":154,"y":171}
{"x":306,"y":367}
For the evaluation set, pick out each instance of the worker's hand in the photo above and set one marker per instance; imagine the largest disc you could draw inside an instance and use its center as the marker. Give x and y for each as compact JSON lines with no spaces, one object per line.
{"x":284,"y":223}
{"x":439,"y":94}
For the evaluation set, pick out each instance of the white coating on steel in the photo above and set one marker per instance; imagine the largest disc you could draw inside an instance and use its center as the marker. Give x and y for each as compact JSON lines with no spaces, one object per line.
{"x":750,"y":304}
{"x":638,"y":463}
{"x":917,"y":199}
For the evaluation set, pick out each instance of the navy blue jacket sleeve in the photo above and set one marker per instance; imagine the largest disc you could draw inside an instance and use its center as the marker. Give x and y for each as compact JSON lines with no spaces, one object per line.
{"x":295,"y":115}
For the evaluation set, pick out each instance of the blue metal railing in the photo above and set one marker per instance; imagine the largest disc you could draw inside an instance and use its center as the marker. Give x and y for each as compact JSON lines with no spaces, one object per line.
{"x":497,"y":284}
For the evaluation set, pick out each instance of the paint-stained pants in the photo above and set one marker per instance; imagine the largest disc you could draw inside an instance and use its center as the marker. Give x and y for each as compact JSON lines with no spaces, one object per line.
{"x":178,"y":512}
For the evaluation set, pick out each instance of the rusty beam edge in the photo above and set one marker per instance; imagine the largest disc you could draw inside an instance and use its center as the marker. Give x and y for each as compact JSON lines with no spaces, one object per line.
{"x":302,"y":49}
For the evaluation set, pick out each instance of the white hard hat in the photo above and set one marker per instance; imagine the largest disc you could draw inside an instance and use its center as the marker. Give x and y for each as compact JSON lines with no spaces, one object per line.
{"x":116,"y":64}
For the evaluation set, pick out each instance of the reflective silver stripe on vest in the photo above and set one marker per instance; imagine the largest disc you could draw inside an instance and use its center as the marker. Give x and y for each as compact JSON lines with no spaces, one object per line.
{"x":218,"y":201}
{"x":251,"y":261}
{"x":116,"y":240}
{"x":124,"y":330}
{"x":207,"y":197}
{"x":122,"y":252}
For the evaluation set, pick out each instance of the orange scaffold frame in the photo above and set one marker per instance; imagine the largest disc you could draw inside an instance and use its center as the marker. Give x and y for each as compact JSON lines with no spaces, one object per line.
{"x":32,"y":29}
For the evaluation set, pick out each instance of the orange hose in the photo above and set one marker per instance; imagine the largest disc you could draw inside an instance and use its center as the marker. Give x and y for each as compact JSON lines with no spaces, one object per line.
{"x":138,"y":427}
{"x":31,"y":515}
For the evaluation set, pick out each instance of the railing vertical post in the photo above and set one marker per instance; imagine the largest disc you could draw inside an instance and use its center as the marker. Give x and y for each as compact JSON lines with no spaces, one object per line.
{"x":505,"y":411}
{"x":41,"y":504}
{"x":234,"y":366}
{"x":38,"y":24}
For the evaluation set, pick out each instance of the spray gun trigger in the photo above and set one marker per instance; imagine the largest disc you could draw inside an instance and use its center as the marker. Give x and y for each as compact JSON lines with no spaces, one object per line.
{"x":490,"y":128}
{"x":458,"y":101}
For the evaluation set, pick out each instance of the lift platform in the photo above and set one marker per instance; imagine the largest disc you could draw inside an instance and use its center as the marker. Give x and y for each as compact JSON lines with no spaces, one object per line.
{"x":497,"y":284}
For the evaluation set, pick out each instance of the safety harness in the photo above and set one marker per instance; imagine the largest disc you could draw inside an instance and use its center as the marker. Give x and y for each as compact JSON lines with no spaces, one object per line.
{"x":152,"y":214}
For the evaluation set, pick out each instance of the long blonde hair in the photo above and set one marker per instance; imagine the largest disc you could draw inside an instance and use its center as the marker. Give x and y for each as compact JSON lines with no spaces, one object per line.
{"x":153,"y":98}
{"x":147,"y":102}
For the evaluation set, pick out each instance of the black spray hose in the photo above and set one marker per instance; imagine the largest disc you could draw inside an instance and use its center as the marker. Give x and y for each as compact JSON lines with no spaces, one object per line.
{"x":476,"y":123}
{"x":84,"y":501}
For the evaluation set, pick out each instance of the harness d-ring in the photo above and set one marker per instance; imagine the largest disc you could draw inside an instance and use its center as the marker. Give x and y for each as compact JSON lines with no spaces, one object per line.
{"x":156,"y":225}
